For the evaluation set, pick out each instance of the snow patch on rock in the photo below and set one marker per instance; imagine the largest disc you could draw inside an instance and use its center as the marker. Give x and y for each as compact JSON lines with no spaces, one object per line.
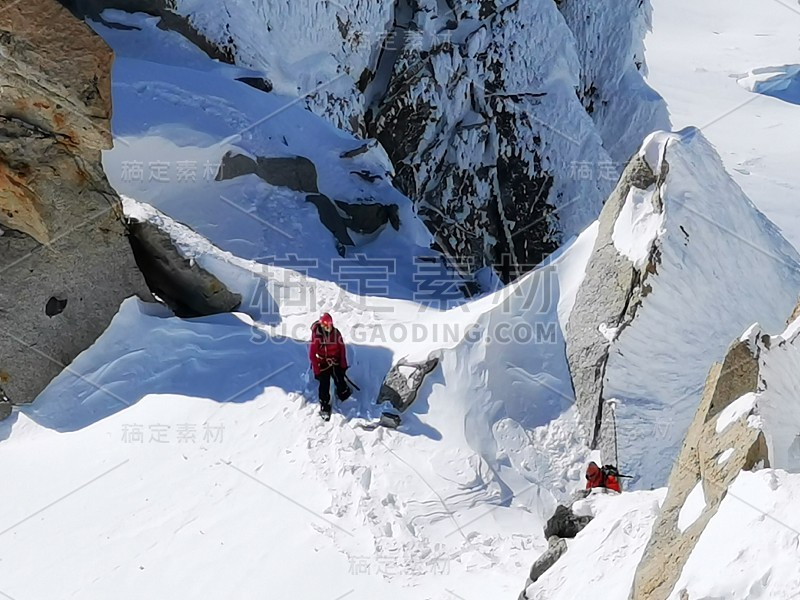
{"x":736,"y":410}
{"x":638,"y":226}
{"x":610,"y":333}
{"x":723,"y":458}
{"x":693,"y":507}
{"x":654,"y":148}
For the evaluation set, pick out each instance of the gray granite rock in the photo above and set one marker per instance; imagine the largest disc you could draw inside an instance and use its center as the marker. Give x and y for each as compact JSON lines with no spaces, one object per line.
{"x":65,"y":261}
{"x":403,"y":381}
{"x":610,"y":294}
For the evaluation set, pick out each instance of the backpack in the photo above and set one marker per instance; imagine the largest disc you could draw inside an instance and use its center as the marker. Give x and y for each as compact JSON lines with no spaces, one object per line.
{"x":607,"y":470}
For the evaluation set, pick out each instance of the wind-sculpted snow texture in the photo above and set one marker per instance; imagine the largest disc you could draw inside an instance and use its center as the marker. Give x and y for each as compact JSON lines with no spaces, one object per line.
{"x":609,"y":36}
{"x":477,"y":103}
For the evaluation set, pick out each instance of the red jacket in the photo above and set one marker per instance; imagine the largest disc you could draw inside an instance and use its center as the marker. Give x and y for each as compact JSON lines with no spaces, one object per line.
{"x":596,"y":478}
{"x":327,"y":349}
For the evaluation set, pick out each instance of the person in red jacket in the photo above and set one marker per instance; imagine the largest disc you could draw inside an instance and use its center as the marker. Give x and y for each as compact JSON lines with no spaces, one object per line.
{"x":597,"y":477}
{"x":328,"y":357}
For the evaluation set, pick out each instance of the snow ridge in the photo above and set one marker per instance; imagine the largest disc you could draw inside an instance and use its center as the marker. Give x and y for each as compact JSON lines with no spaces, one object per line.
{"x":713,"y":256}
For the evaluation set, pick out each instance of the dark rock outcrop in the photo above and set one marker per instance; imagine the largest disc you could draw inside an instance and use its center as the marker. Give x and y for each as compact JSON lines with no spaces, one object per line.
{"x":369,"y":217}
{"x":366,"y":218}
{"x":188,"y":289}
{"x":65,"y":261}
{"x":332,"y":219}
{"x":469,"y":133}
{"x":362,"y":149}
{"x":5,"y":405}
{"x":294,"y":172}
{"x":259,"y":83}
{"x":403,"y":381}
{"x":564,"y":523}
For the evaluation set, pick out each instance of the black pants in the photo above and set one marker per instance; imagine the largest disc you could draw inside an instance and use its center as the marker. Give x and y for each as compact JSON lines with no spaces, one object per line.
{"x":343,"y":391}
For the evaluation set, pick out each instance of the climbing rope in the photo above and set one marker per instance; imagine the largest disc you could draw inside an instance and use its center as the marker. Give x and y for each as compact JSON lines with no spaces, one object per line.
{"x":612,"y":404}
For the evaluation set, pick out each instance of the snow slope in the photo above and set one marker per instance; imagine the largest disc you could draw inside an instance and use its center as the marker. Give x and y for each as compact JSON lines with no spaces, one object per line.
{"x":180,"y":458}
{"x":749,"y":548}
{"x":601,"y":560}
{"x":176,"y":113}
{"x":701,"y":56}
{"x":304,"y":47}
{"x":177,"y":458}
{"x":233,"y":467}
{"x":714,"y":255}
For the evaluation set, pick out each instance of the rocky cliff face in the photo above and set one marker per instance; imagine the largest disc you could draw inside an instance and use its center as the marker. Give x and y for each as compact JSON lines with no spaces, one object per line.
{"x":609,"y":37}
{"x":704,"y":469}
{"x":678,"y":240}
{"x":496,"y":115}
{"x":65,"y":260}
{"x":485,"y":129}
{"x":611,"y":293}
{"x":748,"y":419}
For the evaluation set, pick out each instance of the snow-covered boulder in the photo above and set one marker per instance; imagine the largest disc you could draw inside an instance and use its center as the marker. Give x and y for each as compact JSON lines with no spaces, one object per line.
{"x":682,"y":263}
{"x":65,"y":259}
{"x":565,"y":523}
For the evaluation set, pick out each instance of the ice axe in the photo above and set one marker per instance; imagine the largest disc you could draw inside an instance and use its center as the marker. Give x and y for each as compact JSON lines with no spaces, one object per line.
{"x":351,"y":382}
